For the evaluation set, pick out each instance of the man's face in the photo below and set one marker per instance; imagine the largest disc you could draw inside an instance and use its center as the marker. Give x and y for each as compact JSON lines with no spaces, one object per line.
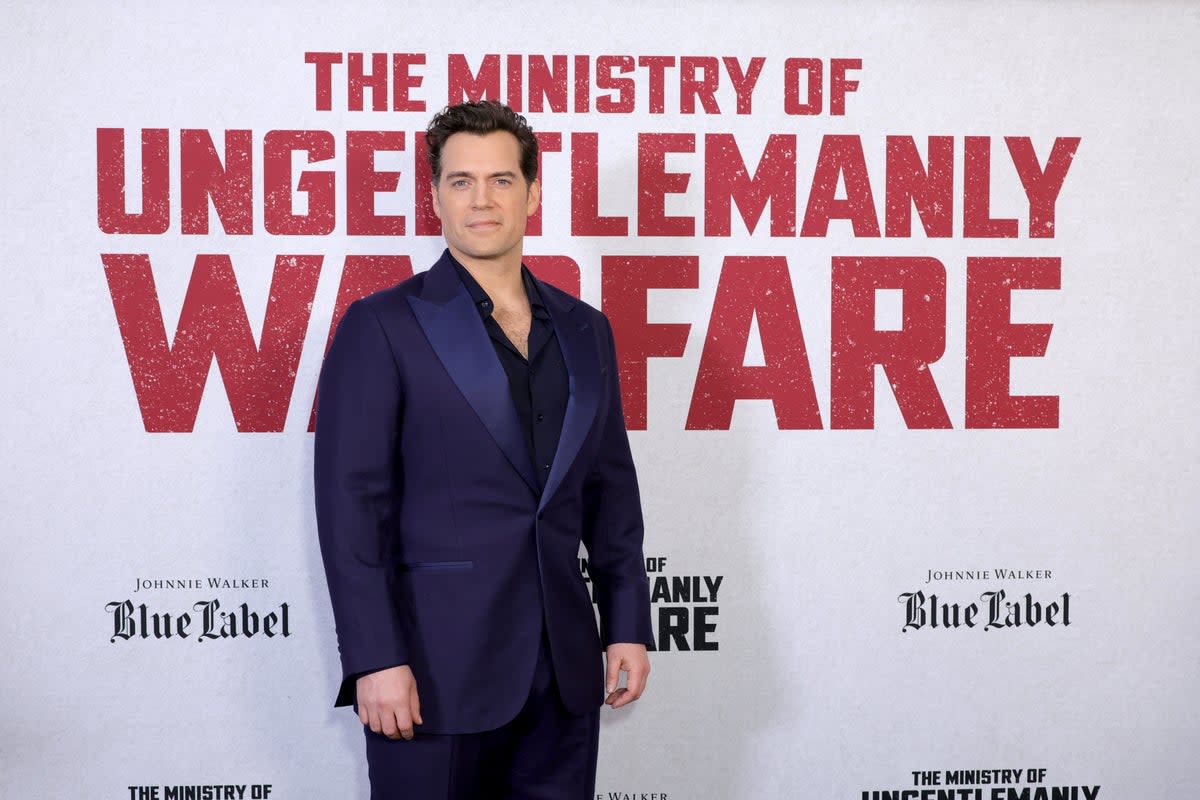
{"x":482,"y":199}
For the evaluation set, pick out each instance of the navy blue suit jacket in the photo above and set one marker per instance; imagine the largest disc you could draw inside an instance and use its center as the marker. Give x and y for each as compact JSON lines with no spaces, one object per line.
{"x":439,"y":551}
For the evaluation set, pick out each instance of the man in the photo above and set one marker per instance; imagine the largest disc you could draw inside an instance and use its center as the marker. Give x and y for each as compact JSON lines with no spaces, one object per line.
{"x":469,"y":437}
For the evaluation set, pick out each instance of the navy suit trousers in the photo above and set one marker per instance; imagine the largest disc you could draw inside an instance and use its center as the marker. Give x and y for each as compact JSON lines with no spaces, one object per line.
{"x":544,"y":753}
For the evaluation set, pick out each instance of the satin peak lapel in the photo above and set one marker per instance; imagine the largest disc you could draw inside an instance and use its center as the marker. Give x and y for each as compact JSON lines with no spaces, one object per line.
{"x":578,"y":343}
{"x":455,"y":332}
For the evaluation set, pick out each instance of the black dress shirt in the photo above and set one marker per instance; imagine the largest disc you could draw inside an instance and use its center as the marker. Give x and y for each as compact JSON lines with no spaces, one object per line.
{"x":538,"y":384}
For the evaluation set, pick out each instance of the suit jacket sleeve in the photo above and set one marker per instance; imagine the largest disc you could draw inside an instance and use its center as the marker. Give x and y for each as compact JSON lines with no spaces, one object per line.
{"x":359,"y":400}
{"x":612,"y":525}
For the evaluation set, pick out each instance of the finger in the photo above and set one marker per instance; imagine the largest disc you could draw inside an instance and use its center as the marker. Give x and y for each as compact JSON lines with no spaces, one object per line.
{"x":363,"y":716}
{"x":414,"y":703}
{"x":388,"y":725}
{"x":620,"y":697}
{"x":635,"y":683}
{"x":404,"y":724}
{"x":374,"y":720}
{"x":612,"y":675}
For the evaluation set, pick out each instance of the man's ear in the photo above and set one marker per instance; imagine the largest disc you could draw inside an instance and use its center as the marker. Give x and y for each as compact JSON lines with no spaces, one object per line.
{"x":534,"y":198}
{"x":433,"y":193}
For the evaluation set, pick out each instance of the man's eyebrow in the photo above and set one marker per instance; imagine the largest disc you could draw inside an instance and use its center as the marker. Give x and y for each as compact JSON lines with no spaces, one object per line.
{"x":464,"y":174}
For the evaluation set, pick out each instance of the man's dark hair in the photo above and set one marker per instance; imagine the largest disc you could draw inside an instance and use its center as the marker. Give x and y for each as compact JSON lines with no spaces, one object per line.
{"x":480,"y":117}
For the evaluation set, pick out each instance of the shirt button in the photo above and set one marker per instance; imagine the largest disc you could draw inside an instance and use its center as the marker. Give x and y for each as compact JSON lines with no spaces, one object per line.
{"x":546,"y":467}
{"x":541,"y":417}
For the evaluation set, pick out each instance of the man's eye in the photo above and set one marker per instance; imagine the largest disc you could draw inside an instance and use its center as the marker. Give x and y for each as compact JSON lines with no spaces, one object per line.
{"x":458,"y":184}
{"x":503,"y":181}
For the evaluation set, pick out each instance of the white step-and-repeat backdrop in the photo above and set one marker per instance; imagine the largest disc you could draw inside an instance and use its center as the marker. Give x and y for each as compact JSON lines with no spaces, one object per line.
{"x":905,"y":297}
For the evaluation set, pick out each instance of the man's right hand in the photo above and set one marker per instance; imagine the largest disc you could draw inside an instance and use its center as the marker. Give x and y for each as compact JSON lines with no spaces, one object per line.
{"x":388,"y":702}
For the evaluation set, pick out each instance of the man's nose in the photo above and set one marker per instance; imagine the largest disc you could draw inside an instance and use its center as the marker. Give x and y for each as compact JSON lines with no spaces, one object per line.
{"x":481,"y":196}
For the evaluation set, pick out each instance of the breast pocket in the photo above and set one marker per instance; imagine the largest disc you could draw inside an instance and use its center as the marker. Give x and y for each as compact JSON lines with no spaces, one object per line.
{"x":419,"y":566}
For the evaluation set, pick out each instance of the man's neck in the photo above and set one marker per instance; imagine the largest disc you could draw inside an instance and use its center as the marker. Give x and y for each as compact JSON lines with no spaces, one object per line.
{"x":500,"y":278}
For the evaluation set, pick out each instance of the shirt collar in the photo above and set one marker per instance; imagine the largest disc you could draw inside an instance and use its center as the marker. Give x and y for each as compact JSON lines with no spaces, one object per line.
{"x":484,"y":303}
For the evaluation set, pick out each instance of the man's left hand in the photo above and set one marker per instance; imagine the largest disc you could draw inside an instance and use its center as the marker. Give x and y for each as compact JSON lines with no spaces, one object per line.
{"x":632,"y":660}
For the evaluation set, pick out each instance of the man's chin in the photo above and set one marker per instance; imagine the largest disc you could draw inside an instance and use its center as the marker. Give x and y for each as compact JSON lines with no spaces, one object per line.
{"x":479,"y":252}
